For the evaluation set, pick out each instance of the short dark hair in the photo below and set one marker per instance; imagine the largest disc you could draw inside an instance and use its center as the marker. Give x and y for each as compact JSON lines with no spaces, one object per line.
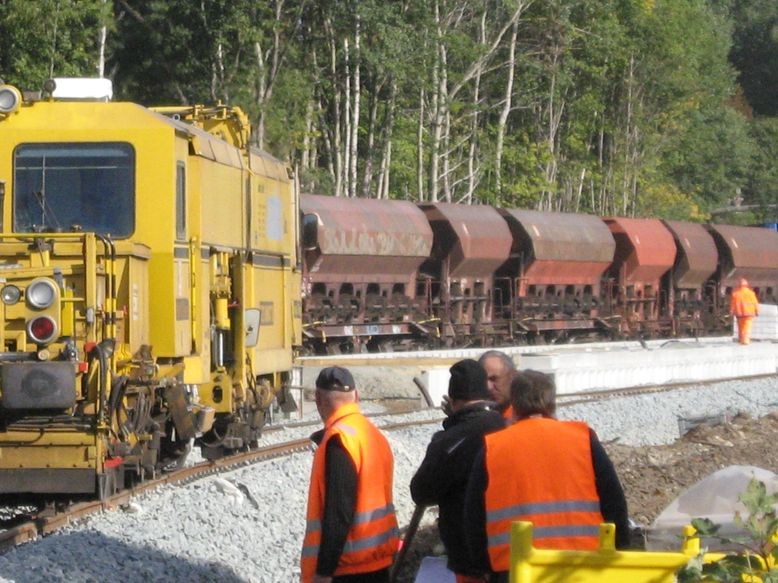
{"x":533,"y":393}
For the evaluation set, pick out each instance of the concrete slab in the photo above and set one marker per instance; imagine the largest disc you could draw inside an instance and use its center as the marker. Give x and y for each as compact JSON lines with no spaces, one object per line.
{"x":435,"y":357}
{"x":674,"y":362}
{"x":576,"y":368}
{"x":765,"y":324}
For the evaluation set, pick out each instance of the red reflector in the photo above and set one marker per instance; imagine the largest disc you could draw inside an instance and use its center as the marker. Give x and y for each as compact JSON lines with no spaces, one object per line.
{"x":42,"y":329}
{"x":111,"y":463}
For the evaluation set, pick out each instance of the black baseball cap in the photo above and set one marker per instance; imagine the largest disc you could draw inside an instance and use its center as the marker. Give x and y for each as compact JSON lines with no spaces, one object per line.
{"x":335,"y":378}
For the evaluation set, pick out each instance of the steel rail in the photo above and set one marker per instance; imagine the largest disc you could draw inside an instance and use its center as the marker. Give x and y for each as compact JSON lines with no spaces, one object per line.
{"x":46,"y":523}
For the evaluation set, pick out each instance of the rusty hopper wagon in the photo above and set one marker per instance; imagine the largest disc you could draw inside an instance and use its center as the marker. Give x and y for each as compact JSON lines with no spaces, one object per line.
{"x":361,"y":260}
{"x":551,"y":286}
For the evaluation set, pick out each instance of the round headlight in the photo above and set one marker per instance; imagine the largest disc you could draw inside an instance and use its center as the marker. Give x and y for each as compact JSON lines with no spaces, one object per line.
{"x":42,"y":329}
{"x":41,"y":293}
{"x":10,"y":99}
{"x":10,"y":294}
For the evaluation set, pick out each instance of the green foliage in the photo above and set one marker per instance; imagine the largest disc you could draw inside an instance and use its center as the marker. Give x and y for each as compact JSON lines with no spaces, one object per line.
{"x":759,"y":556}
{"x":49,"y":38}
{"x":618,"y":106}
{"x":755,"y":52}
{"x":762,"y":188}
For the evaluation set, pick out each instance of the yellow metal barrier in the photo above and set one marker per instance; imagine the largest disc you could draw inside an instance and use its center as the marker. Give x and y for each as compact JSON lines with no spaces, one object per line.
{"x":605,"y":565}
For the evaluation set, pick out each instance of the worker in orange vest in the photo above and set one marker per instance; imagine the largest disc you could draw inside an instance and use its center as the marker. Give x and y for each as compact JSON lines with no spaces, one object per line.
{"x":744,"y":306}
{"x":555,"y":474}
{"x":351,"y":532}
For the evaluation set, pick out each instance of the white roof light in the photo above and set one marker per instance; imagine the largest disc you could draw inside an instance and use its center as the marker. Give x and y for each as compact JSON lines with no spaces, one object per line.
{"x":10,"y":99}
{"x":77,"y":88}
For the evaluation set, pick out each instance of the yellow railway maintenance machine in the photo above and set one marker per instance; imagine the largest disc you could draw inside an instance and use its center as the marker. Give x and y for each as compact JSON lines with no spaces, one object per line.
{"x":149,"y":289}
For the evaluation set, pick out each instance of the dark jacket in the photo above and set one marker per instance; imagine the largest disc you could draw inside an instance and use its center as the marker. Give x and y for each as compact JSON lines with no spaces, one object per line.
{"x":442,"y":477}
{"x":613,"y":505}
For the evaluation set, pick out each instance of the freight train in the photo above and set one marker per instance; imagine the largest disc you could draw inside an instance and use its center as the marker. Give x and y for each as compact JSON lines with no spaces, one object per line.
{"x":158,"y":274}
{"x":388,"y":275}
{"x":148,"y":289}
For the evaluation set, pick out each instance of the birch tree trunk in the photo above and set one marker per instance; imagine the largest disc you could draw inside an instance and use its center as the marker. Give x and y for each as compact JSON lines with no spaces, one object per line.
{"x":386,"y":158}
{"x":554,"y":110}
{"x":437,"y":109}
{"x":266,"y":74}
{"x":337,"y":153}
{"x":103,"y":37}
{"x":472,"y":170}
{"x":305,"y":157}
{"x":420,"y":147}
{"x":502,"y":122}
{"x":346,"y":117}
{"x":367,"y":176}
{"x":355,"y":114}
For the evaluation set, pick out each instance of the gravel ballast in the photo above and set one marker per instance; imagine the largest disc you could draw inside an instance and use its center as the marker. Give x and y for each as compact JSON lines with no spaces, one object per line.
{"x":247,"y":525}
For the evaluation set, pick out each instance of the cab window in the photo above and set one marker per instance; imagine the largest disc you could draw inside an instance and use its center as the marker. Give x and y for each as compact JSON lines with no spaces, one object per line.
{"x":180,"y":201}
{"x":74,"y":187}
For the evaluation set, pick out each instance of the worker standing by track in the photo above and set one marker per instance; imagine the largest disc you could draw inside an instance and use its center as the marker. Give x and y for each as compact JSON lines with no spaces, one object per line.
{"x":351,"y":533}
{"x":442,"y":477}
{"x":560,"y":478}
{"x":744,"y":306}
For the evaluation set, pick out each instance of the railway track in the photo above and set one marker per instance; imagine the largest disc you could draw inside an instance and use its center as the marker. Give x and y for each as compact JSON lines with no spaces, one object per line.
{"x":589,"y":396}
{"x":49,"y":521}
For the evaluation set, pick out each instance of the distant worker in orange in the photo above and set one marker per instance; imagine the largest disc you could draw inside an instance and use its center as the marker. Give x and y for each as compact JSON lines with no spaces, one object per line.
{"x":744,"y":306}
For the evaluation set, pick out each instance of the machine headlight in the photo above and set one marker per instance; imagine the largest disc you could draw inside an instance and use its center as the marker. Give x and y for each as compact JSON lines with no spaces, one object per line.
{"x":10,"y":294}
{"x":42,"y":329}
{"x":10,"y":99}
{"x":41,"y":293}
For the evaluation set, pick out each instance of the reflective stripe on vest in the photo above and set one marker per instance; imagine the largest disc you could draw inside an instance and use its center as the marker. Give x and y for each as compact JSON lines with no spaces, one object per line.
{"x":540,"y":470}
{"x":528,"y":511}
{"x":373,"y":537}
{"x":314,"y":527}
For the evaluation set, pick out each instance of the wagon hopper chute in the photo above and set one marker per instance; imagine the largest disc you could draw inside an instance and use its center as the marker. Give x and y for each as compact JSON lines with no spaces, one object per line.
{"x":361,"y":260}
{"x":470,"y":243}
{"x":645,"y":252}
{"x":689,"y":283}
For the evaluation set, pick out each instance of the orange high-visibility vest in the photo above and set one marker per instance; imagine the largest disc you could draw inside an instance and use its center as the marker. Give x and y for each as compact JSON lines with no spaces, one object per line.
{"x":743,"y":302}
{"x":507,"y":414}
{"x":374,"y":537}
{"x":540,"y":470}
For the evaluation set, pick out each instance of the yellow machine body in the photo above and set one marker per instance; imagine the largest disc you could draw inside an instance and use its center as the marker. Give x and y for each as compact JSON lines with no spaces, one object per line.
{"x":156,"y":236}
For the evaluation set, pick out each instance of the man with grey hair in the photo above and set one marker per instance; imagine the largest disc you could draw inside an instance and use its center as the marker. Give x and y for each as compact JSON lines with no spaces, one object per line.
{"x":500,"y":370}
{"x":560,"y":478}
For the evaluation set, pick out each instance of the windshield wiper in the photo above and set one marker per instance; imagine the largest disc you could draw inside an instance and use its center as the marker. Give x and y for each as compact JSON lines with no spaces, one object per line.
{"x":47,"y":213}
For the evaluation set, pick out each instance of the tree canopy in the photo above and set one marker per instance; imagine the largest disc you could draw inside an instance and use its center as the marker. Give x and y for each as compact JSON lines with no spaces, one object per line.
{"x":616,"y":107}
